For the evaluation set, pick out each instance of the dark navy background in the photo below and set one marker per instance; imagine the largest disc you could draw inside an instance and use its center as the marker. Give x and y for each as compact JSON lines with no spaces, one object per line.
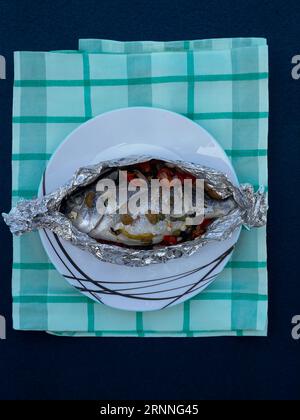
{"x":39,"y":366}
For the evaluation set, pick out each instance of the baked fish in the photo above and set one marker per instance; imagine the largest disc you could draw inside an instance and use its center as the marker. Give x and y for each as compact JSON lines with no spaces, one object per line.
{"x":143,"y":229}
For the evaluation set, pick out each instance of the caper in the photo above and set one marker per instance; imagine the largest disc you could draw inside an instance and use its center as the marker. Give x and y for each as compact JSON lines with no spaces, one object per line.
{"x":153,"y":218}
{"x":178,"y":219}
{"x":89,"y":199}
{"x":126,"y":219}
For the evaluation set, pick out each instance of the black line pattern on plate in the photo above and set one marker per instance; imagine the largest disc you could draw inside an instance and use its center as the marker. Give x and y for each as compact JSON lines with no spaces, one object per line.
{"x":209,"y":279}
{"x":83,"y":288}
{"x":56,"y":252}
{"x":103,"y":290}
{"x":173,"y":277}
{"x":192,"y":288}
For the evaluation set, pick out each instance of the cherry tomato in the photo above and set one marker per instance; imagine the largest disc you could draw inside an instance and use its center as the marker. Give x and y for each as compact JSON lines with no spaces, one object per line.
{"x":206,"y":223}
{"x":165,"y":173}
{"x":170,"y":239}
{"x":130,"y":176}
{"x":200,"y":229}
{"x":145,"y":167}
{"x":182,"y":176}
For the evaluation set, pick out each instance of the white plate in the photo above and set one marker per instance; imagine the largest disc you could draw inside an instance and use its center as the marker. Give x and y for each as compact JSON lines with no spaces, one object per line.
{"x":119,"y":133}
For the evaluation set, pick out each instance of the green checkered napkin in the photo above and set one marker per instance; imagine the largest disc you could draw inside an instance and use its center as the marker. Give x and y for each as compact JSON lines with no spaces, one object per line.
{"x":222,"y":85}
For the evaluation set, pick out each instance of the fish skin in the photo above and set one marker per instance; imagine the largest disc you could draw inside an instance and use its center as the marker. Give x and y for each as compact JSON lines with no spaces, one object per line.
{"x":214,"y":209}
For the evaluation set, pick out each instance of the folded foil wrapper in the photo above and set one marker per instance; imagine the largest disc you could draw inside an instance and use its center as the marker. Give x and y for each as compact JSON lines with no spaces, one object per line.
{"x":44,"y":213}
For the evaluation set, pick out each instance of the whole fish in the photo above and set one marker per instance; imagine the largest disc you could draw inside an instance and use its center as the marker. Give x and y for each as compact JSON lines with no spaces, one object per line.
{"x":141,"y":229}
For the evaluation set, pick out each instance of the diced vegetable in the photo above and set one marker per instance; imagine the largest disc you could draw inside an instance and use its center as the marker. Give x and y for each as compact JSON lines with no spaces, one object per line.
{"x":143,"y":237}
{"x":201,"y":229}
{"x":178,"y":219}
{"x":170,"y":239}
{"x":144,"y":167}
{"x":182,"y":176}
{"x":89,"y":199}
{"x":130,"y":176}
{"x":153,"y":218}
{"x":165,"y":173}
{"x":206,"y":223}
{"x":126,"y":219}
{"x":198,"y":231}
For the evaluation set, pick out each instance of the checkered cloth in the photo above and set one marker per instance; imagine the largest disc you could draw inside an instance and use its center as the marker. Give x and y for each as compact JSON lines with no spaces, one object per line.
{"x":222,"y":85}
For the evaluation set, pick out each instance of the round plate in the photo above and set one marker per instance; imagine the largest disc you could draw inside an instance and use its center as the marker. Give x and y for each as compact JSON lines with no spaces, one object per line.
{"x":161,"y":134}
